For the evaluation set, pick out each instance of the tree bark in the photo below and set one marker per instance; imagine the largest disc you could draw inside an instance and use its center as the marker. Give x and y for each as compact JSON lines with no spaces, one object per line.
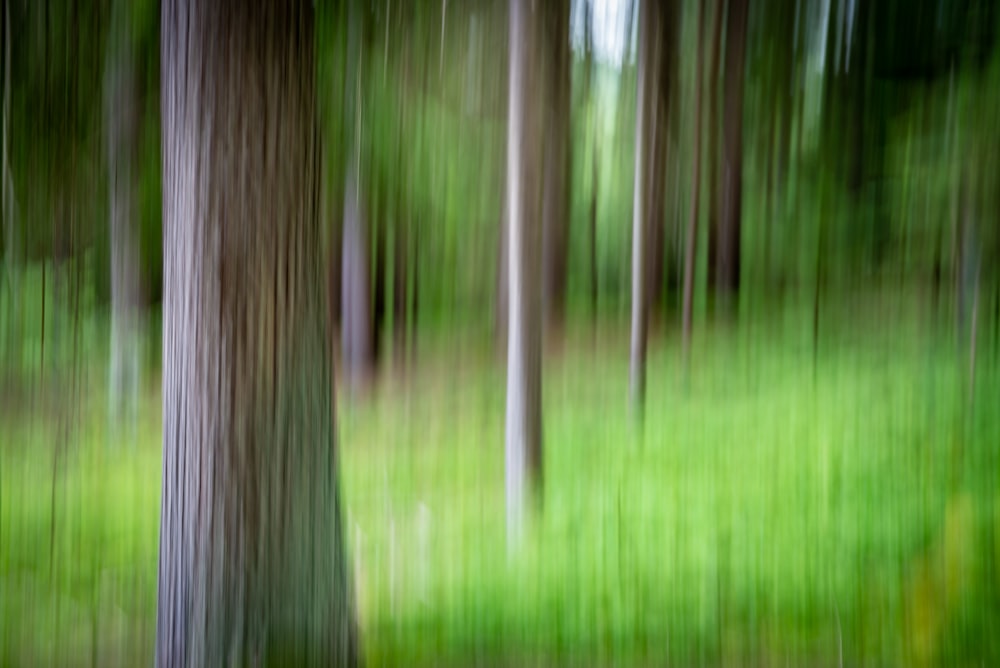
{"x":252,"y":566}
{"x":770,"y":166}
{"x":524,"y":375}
{"x":121,"y":115}
{"x":555,"y":207}
{"x":332,"y":217}
{"x":646,"y":195}
{"x":714,"y":176}
{"x":592,"y":232}
{"x":728,"y":251}
{"x":501,"y":321}
{"x":378,"y":232}
{"x":691,"y":241}
{"x":661,"y":265}
{"x":655,"y":232}
{"x":8,"y":209}
{"x":357,"y":330}
{"x":595,"y":174}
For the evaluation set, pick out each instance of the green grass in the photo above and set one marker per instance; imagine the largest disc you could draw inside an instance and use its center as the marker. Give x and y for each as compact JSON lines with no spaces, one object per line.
{"x":764,"y":513}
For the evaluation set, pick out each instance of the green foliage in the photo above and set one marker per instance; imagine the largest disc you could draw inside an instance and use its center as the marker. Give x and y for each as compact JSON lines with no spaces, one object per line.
{"x":762,"y":515}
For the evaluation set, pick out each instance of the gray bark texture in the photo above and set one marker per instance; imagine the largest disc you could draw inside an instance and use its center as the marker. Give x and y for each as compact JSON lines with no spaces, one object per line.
{"x":524,"y":344}
{"x":252,"y":565}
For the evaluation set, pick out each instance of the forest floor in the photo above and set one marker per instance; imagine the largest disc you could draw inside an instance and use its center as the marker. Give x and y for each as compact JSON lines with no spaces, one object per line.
{"x":766,"y":512}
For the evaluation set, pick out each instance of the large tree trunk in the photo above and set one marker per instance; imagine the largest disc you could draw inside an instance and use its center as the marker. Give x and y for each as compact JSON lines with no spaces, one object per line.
{"x":252,"y":564}
{"x":121,"y":115}
{"x":555,"y":207}
{"x":691,"y":241}
{"x":727,"y":282}
{"x":524,"y":373}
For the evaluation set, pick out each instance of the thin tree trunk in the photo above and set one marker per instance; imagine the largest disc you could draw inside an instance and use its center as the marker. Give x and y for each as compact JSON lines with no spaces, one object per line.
{"x":818,"y":282}
{"x":333,"y":209}
{"x":655,"y":223}
{"x":973,"y":338}
{"x":378,"y":231}
{"x":356,"y":330}
{"x":357,"y":337}
{"x":122,"y":119}
{"x":8,"y":208}
{"x":714,"y":179}
{"x":595,"y":180}
{"x":645,"y":133}
{"x":595,"y":183}
{"x":770,"y":162}
{"x":41,"y":352}
{"x":252,"y":567}
{"x":524,"y":375}
{"x":691,"y":248}
{"x":728,"y":253}
{"x":996,"y":316}
{"x":501,"y":319}
{"x":661,"y":265}
{"x":555,"y":206}
{"x":400,"y":276}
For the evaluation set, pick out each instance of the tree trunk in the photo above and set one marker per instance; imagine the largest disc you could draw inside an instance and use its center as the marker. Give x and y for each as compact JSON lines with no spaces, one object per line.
{"x":555,"y":207}
{"x":333,"y":208}
{"x":501,"y":321}
{"x":400,"y":274}
{"x":968,"y":260}
{"x":661,"y":265}
{"x":592,"y":246}
{"x":122,"y":118}
{"x":524,"y":374}
{"x":378,"y":231}
{"x":714,"y":178}
{"x":655,"y":223}
{"x":8,"y":210}
{"x":595,"y":174}
{"x":645,"y":139}
{"x":357,"y":333}
{"x":770,"y":166}
{"x":252,"y":567}
{"x":691,"y":242}
{"x":728,"y":252}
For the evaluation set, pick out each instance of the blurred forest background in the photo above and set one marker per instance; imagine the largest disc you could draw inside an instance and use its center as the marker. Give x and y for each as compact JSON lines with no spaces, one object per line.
{"x":737,"y":404}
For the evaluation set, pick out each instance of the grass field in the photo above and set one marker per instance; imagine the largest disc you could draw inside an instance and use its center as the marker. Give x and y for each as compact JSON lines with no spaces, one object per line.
{"x":767,"y":511}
